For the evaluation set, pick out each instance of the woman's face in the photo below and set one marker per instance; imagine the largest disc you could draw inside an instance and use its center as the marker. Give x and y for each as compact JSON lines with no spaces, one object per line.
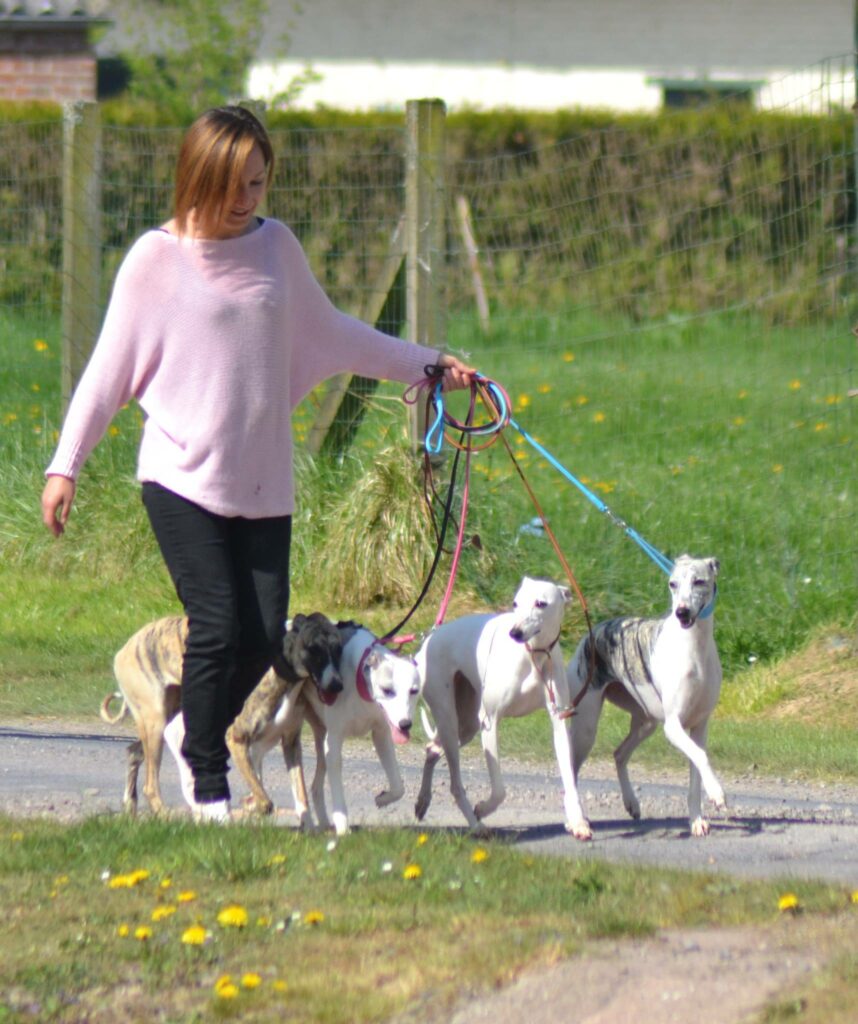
{"x":239,"y":210}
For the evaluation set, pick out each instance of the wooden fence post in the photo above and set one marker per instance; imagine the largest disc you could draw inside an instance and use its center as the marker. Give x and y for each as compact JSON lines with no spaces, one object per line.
{"x":81,"y":301}
{"x":425,"y":246}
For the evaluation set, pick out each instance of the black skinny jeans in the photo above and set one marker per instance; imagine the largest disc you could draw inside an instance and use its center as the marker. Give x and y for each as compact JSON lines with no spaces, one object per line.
{"x":232,"y":577}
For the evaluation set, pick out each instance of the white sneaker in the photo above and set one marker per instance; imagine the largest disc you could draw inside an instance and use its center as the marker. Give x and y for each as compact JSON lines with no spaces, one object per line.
{"x":174,"y":735}
{"x":216,"y":811}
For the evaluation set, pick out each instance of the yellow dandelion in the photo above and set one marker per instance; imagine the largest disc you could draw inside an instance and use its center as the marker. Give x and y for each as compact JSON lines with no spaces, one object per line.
{"x":61,"y":880}
{"x":17,"y":837}
{"x":36,"y":387}
{"x":143,"y":933}
{"x":778,"y":467}
{"x":544,"y":389}
{"x":166,"y":883}
{"x":225,"y":988}
{"x":480,"y":855}
{"x":582,"y":400}
{"x":738,"y":421}
{"x":854,"y":897}
{"x":522,"y":402}
{"x":278,"y":858}
{"x":422,"y":839}
{"x":412,"y":872}
{"x":196,"y":935}
{"x":40,"y":345}
{"x":163,"y":912}
{"x":232,"y":916}
{"x":10,"y":417}
{"x":568,"y":357}
{"x":599,"y":417}
{"x":605,"y":486}
{"x":186,"y":896}
{"x":788,"y":903}
{"x":128,"y":881}
{"x":818,"y":427}
{"x":113,"y":431}
{"x":743,"y":393}
{"x":251,"y":980}
{"x":794,"y":385}
{"x":123,"y":931}
{"x":279,"y":985}
{"x":313,"y":917}
{"x":263,"y":921}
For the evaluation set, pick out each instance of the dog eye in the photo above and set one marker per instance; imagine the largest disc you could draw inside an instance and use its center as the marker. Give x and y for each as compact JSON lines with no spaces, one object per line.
{"x":540,"y":604}
{"x":700,"y":583}
{"x":388,"y":691}
{"x":673,"y":584}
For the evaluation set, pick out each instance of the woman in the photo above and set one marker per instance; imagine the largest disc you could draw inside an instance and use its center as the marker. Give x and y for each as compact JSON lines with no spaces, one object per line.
{"x":218,"y":328}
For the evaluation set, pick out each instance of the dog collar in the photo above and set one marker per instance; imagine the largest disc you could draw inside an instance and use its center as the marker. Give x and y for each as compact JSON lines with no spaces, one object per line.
{"x":542,"y":650}
{"x":707,"y":611}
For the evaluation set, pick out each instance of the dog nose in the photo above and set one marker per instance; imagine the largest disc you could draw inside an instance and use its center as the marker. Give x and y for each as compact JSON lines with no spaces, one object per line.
{"x":683,"y":614}
{"x":334,"y":685}
{"x":517,"y":634}
{"x":405,"y":725}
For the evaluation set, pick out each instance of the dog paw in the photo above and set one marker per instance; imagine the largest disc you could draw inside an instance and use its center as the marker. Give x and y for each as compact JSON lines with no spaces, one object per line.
{"x":581,"y":830}
{"x":481,"y":831}
{"x":699,"y":828}
{"x":387,"y":797}
{"x":634,"y":809}
{"x":341,"y":825}
{"x":421,"y":807}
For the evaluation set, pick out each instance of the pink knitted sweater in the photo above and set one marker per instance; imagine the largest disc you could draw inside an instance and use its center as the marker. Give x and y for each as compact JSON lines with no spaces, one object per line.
{"x":218,"y":341}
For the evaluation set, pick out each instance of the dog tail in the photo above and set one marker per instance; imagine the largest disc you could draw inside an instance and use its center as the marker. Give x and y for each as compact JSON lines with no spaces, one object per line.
{"x":428,"y":727}
{"x":104,"y":710}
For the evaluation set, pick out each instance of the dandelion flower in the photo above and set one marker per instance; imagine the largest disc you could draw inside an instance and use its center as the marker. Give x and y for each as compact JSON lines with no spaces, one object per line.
{"x":544,"y":389}
{"x":61,"y":880}
{"x":278,"y":858}
{"x":422,"y":839}
{"x":582,"y":400}
{"x":128,"y":881}
{"x":196,"y":935}
{"x":143,"y":933}
{"x":279,"y":985}
{"x":186,"y":896}
{"x":412,"y":872}
{"x":788,"y":903}
{"x":794,"y":385}
{"x":123,"y":931}
{"x":263,"y":921}
{"x":313,"y":917}
{"x":854,"y":897}
{"x":17,"y":837}
{"x":232,"y":916}
{"x":480,"y":855}
{"x":225,"y":988}
{"x":599,"y":417}
{"x":568,"y":357}
{"x":738,"y":421}
{"x":778,"y":467}
{"x":166,"y":883}
{"x":40,"y":345}
{"x":250,"y":980}
{"x":822,"y":425}
{"x":163,"y":912}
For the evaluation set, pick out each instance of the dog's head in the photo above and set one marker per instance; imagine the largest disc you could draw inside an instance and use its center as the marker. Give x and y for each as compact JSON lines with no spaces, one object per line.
{"x":393,"y":683}
{"x":538,"y":609}
{"x":312,"y":648}
{"x":693,"y":588}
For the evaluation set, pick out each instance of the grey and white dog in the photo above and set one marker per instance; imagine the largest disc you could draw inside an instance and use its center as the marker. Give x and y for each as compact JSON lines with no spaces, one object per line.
{"x":659,"y":670}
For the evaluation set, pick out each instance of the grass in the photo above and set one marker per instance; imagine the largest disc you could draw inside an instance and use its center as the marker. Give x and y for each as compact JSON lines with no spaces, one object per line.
{"x":750,"y":479}
{"x":477,"y":913}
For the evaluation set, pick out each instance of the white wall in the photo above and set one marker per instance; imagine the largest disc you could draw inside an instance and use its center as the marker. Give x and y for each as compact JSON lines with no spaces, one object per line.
{"x":546,"y":54}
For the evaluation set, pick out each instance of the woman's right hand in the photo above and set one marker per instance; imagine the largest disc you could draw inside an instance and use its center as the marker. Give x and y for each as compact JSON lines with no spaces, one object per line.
{"x":57,"y":498}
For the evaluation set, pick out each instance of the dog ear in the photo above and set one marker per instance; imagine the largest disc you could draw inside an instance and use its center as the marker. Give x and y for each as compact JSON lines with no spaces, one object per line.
{"x":714,"y":565}
{"x":566,"y":594}
{"x":298,"y":622}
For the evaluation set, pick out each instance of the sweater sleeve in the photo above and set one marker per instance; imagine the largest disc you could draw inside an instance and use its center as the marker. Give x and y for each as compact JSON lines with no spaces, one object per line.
{"x":115,"y":368}
{"x":326,"y":341}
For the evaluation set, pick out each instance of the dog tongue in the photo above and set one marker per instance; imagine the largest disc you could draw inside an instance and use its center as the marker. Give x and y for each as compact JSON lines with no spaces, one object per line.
{"x":398,"y":735}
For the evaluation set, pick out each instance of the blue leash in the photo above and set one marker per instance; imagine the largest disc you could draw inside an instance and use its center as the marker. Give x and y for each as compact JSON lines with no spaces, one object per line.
{"x":662,"y":561}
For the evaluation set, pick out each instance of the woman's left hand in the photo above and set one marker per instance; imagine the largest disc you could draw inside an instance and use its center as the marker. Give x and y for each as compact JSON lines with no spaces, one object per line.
{"x":457,"y":375}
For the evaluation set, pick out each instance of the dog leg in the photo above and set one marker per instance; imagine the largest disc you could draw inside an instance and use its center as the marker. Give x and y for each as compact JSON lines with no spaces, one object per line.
{"x":317,"y":786}
{"x":134,"y":760}
{"x":699,"y":825}
{"x":641,"y":726}
{"x":383,"y":744}
{"x":491,"y":750}
{"x":334,"y":763}
{"x":576,"y":820}
{"x":424,"y":796}
{"x":152,"y":738}
{"x":697,"y":756}
{"x":239,"y":742}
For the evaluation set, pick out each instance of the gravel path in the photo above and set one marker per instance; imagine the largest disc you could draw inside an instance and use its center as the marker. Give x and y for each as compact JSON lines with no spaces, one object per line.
{"x":772,"y":829}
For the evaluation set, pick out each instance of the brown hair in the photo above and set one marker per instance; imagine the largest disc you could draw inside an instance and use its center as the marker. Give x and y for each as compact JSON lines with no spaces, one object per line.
{"x":213,"y":154}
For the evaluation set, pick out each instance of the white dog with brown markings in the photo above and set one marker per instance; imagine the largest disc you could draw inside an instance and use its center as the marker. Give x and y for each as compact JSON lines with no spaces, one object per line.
{"x":664,"y":670}
{"x":479,"y":669}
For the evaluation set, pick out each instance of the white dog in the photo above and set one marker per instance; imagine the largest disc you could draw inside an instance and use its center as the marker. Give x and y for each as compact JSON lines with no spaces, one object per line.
{"x":379,"y":697}
{"x":659,"y":670}
{"x":479,"y":669}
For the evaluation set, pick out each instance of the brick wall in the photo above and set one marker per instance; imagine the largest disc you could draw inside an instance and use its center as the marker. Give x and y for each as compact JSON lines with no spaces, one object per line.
{"x":46,"y":64}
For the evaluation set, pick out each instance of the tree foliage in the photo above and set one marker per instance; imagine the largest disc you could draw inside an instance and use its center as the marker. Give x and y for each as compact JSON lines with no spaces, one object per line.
{"x":188,"y":55}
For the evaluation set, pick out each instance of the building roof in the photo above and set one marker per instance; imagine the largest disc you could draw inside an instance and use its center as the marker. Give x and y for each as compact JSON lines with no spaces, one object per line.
{"x":51,"y":13}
